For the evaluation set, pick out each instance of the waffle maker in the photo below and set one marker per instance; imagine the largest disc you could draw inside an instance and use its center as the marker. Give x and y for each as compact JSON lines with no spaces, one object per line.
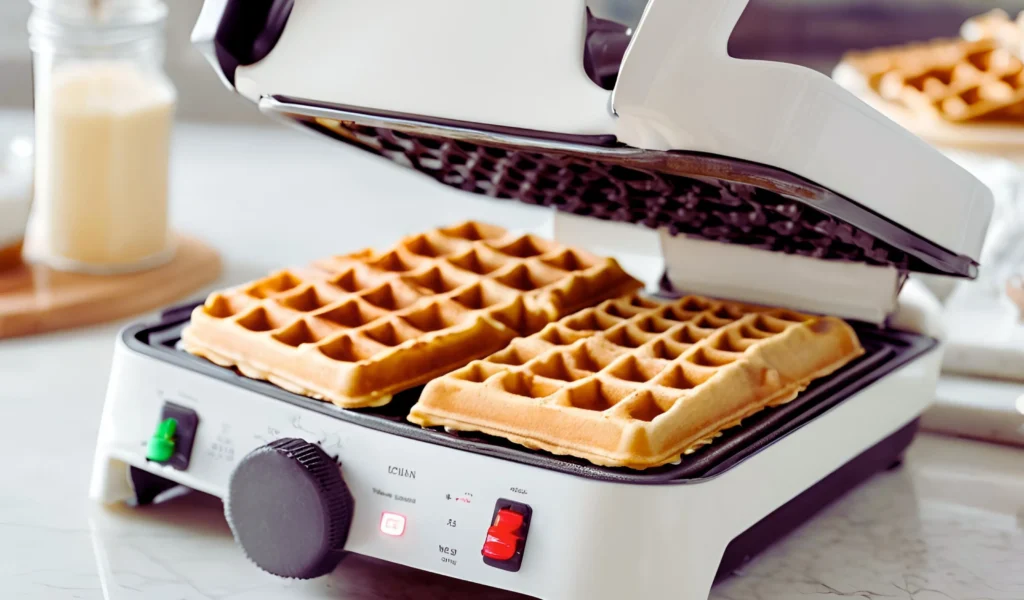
{"x":787,"y":188}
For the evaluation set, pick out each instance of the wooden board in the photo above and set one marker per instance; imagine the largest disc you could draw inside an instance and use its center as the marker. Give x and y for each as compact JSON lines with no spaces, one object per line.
{"x":36,"y":299}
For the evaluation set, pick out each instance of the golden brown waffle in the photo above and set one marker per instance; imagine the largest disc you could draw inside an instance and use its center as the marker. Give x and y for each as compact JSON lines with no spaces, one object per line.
{"x":953,"y":80}
{"x":356,"y":329}
{"x":638,"y":383}
{"x":997,"y":25}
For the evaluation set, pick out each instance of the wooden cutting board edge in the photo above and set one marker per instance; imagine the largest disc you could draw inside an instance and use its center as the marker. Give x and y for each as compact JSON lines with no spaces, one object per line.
{"x":36,"y":299}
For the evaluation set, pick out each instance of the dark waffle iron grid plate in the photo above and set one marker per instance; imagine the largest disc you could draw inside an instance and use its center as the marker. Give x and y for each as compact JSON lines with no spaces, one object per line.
{"x":696,"y":195}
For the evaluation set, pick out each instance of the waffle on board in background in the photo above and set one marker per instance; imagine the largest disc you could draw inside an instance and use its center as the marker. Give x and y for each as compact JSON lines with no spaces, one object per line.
{"x":957,"y":81}
{"x":638,"y":383}
{"x":997,"y":25}
{"x":357,"y":328}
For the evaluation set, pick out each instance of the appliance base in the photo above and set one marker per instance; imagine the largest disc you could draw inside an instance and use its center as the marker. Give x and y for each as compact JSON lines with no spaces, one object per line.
{"x":886,"y":454}
{"x":630,"y":533}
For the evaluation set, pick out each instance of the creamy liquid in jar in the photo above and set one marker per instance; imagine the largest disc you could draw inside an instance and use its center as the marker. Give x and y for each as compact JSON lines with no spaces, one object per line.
{"x":103,"y":131}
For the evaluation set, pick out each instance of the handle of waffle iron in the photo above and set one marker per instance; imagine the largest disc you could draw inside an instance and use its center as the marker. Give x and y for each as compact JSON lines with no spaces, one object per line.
{"x":231,"y":33}
{"x":678,"y":89}
{"x":680,"y":50}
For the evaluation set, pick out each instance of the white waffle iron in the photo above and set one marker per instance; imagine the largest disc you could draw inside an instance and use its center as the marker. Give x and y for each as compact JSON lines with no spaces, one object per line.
{"x":790,"y":190}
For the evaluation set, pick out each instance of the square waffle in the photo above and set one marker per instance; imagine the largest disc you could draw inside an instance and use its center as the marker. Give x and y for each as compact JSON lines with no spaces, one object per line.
{"x":998,"y":26}
{"x":952,"y":80}
{"x":637,"y":383}
{"x":357,"y":328}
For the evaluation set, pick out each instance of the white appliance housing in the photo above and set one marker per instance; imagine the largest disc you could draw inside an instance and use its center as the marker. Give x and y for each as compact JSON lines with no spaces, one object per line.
{"x":519,"y":65}
{"x":506,"y":81}
{"x":589,"y":540}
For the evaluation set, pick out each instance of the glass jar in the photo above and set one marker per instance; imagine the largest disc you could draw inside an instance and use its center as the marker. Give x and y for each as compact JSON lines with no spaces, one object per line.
{"x":104,"y":110}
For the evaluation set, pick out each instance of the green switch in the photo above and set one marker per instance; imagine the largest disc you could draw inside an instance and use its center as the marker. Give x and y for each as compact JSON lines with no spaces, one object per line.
{"x":161,"y":443}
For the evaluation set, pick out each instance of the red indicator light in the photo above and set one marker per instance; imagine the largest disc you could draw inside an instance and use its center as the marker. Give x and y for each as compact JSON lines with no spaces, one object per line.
{"x":392,"y":524}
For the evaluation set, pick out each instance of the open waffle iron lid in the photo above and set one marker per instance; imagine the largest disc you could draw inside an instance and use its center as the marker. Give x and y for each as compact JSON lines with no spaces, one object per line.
{"x":654,"y":125}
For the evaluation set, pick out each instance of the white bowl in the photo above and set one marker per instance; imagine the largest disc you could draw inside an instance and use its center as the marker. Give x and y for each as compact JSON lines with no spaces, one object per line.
{"x":15,"y":190}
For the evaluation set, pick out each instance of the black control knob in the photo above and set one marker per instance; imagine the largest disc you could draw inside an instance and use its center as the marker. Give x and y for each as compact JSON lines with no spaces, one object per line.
{"x":289,"y":509}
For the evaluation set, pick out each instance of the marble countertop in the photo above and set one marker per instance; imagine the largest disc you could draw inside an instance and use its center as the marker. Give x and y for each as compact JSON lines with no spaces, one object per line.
{"x":947,"y":525}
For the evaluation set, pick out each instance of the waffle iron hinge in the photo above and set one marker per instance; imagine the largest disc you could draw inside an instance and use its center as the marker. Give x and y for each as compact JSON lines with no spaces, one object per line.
{"x":844,"y":289}
{"x":636,"y":248}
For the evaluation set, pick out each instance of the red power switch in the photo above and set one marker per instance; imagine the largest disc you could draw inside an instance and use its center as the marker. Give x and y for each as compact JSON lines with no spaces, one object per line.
{"x":503,"y":536}
{"x":506,"y":538}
